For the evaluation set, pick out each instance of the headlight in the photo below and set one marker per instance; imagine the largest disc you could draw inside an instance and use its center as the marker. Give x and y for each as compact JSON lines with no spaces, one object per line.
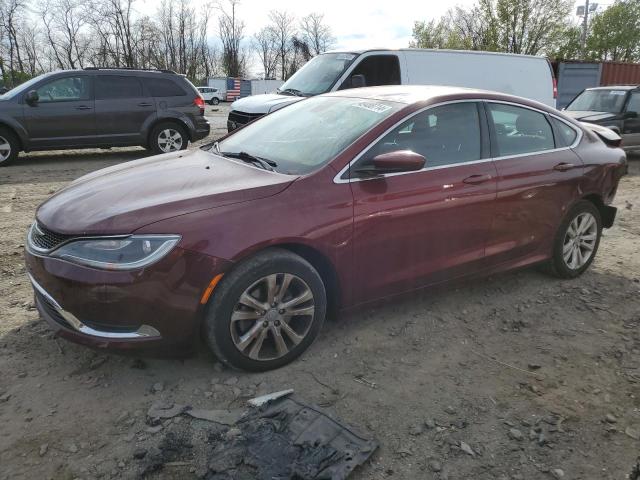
{"x":126,"y":253}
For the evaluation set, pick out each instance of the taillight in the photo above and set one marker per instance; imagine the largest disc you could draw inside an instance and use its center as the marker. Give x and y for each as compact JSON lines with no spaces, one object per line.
{"x":199,"y":102}
{"x":555,"y":88}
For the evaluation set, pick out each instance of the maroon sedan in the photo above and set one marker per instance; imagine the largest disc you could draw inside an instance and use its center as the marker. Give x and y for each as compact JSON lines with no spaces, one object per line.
{"x":333,"y":202}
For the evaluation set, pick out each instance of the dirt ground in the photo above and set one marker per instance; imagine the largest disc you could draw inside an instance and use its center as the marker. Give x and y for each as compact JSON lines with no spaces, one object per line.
{"x":519,"y":376}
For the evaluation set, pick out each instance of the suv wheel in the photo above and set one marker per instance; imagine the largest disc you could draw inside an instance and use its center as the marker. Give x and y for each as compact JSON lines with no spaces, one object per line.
{"x":215,"y":101}
{"x":266,"y":311}
{"x":168,"y":137}
{"x":9,"y":146}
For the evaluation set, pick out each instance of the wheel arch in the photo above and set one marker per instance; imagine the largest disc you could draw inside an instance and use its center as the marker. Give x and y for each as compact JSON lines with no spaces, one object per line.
{"x":318,"y":260}
{"x":607,"y":213}
{"x":21,"y":138}
{"x":176,"y":120}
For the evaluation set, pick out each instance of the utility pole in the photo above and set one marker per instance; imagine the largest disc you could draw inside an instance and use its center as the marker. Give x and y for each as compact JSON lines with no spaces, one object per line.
{"x":585,"y":26}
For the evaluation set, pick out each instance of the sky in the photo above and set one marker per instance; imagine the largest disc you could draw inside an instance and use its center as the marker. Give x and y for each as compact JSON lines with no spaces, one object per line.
{"x":356,"y":24}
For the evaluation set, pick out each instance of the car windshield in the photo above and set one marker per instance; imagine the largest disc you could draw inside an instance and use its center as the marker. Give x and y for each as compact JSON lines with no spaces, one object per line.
{"x":599,"y":101}
{"x":318,"y":75}
{"x":22,"y":87}
{"x":306,"y":135}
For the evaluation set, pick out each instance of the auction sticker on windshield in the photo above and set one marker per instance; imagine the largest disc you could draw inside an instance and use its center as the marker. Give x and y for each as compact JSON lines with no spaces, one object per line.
{"x":373,"y":106}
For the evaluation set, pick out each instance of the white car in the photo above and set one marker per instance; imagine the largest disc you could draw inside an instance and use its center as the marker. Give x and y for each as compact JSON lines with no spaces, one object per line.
{"x":211,"y":95}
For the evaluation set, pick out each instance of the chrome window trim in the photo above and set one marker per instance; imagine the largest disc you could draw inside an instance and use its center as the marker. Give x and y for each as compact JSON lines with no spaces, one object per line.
{"x":338,"y":180}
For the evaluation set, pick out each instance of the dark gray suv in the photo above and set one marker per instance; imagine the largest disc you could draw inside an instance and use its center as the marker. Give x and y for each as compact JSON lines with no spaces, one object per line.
{"x":159,"y":110}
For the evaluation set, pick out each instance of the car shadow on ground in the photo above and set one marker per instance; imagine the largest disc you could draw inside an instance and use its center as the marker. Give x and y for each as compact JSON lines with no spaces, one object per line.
{"x":75,"y":156}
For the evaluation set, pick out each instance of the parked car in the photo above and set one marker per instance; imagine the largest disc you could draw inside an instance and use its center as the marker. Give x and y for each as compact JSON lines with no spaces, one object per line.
{"x":338,"y":201}
{"x":211,"y":95}
{"x":159,"y":110}
{"x":615,"y":107}
{"x":527,"y":76}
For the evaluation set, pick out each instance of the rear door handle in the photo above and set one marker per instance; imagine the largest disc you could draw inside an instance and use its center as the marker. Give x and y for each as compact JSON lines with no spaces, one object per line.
{"x":477,"y":179}
{"x":563,"y":167}
{"x":83,"y":107}
{"x":144,"y":104}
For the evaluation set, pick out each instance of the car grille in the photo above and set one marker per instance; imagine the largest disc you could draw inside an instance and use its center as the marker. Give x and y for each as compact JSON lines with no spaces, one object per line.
{"x":45,"y":239}
{"x":50,"y":310}
{"x":241,"y":118}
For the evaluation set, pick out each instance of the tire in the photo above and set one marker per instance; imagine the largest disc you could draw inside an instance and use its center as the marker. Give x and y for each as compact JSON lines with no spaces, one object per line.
{"x":225,"y":336}
{"x":168,"y":130}
{"x":9,"y":146}
{"x":215,"y":101}
{"x":563,"y":246}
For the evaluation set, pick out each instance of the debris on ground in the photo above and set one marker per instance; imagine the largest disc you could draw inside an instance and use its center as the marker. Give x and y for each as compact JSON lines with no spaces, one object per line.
{"x":283,"y":438}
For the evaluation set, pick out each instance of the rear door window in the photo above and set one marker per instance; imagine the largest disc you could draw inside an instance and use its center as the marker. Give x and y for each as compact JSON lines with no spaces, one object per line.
{"x":519,"y":130}
{"x":162,"y":87}
{"x":114,"y":87}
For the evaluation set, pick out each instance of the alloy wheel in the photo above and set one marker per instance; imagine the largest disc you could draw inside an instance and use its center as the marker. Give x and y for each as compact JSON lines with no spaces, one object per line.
{"x":580,"y":240}
{"x":5,"y":149}
{"x":272,"y":316}
{"x":170,"y":140}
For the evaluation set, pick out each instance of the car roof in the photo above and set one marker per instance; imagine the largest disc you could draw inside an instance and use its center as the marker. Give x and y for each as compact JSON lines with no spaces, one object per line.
{"x":410,"y":94}
{"x":615,"y":87}
{"x":437,"y":50}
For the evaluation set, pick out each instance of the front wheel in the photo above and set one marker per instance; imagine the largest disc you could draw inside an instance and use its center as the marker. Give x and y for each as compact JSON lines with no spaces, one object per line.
{"x":266,"y":312}
{"x":9,"y":147}
{"x":168,"y":137}
{"x":215,"y":101}
{"x":577,"y":240}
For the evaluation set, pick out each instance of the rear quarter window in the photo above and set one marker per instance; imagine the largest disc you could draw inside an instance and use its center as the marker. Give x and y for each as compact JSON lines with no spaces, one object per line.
{"x":565,"y":134}
{"x":162,"y":87}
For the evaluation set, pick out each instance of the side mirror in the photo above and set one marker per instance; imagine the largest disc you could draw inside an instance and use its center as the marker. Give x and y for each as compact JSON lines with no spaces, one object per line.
{"x":358,"y":81}
{"x":31,"y":97}
{"x":393,"y":162}
{"x":628,"y":115}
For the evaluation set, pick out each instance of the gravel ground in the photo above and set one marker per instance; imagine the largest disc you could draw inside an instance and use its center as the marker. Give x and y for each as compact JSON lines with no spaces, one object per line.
{"x":519,"y":376}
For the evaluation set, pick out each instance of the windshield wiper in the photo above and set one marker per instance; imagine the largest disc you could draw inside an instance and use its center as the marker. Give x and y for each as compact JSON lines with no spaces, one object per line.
{"x":293,"y":91}
{"x":247,"y":157}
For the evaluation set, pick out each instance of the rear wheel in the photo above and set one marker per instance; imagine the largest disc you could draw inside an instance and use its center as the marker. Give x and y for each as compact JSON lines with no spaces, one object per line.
{"x":9,"y":146}
{"x":215,"y":101}
{"x":266,"y":312}
{"x":577,"y":240}
{"x":168,"y":137}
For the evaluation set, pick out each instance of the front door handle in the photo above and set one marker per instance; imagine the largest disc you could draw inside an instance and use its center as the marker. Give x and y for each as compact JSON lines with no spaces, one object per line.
{"x":83,"y":107}
{"x":563,"y":167}
{"x":477,"y":179}
{"x":144,"y":104}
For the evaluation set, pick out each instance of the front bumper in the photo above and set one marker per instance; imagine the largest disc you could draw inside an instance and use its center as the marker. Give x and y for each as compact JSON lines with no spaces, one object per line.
{"x":156,"y":309}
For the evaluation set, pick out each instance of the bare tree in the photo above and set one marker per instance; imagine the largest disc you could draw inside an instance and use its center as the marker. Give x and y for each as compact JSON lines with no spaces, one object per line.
{"x":265,"y":45}
{"x":316,"y":34}
{"x":11,"y":12}
{"x":231,"y":31}
{"x":283,"y":25}
{"x":64,"y":22}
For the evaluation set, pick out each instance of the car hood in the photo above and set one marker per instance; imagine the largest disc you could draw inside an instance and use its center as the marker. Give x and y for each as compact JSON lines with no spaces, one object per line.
{"x":125,"y":197}
{"x":586,"y":116}
{"x":264,"y":103}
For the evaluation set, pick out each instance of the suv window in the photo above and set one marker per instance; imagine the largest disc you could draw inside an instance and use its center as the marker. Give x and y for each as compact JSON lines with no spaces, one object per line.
{"x":444,"y":135}
{"x":66,"y":89}
{"x":162,"y":87}
{"x":520,"y":130}
{"x":113,"y":86}
{"x":634,"y":103}
{"x":565,"y":134}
